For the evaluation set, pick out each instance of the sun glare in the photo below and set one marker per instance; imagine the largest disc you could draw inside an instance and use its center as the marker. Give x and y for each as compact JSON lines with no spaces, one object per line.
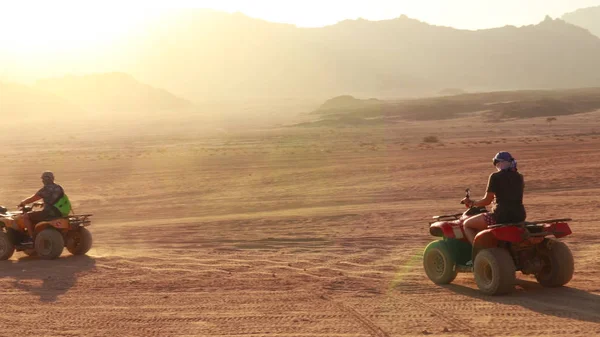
{"x":48,"y":28}
{"x":62,"y":26}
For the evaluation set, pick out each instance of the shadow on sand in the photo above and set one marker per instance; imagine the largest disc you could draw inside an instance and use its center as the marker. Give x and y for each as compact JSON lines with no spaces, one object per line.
{"x":46,"y":279}
{"x":560,"y":302}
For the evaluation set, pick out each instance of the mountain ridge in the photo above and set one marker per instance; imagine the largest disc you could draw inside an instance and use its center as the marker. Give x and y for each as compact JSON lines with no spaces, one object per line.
{"x":588,"y":18}
{"x":397,"y":57}
{"x":210,"y":55}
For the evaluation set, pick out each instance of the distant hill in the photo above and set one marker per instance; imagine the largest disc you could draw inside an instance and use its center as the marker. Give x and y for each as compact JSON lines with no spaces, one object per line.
{"x":20,"y":102}
{"x":588,"y":18}
{"x":208,"y":55}
{"x":201,"y":54}
{"x":452,"y":92}
{"x":347,"y":102}
{"x":113,"y":92}
{"x":494,"y":106}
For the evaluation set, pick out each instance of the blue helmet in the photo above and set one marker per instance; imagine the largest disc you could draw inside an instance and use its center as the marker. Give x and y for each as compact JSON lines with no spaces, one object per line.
{"x":502,"y":156}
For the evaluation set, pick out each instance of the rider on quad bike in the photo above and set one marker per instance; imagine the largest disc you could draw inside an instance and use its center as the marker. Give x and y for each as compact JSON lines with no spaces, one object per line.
{"x":506,"y":186}
{"x":56,"y":203}
{"x":504,"y":243}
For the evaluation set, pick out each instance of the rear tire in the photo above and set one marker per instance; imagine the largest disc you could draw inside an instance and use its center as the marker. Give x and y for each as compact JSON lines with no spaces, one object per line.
{"x":7,"y":248}
{"x":79,"y":242}
{"x":560,"y":265}
{"x":49,"y":244}
{"x":438,"y":263}
{"x":494,"y":271}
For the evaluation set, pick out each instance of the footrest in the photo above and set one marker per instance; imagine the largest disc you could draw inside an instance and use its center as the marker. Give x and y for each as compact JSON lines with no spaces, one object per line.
{"x":464,"y":269}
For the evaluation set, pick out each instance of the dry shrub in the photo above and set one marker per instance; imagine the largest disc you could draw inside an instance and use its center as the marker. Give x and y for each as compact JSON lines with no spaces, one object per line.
{"x":431,"y":139}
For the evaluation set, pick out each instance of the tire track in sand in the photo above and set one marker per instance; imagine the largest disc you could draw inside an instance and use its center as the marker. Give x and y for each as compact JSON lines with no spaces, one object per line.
{"x":373,"y":328}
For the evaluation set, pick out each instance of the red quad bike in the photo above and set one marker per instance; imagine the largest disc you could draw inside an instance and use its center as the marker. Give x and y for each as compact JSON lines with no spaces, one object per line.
{"x":498,"y":252}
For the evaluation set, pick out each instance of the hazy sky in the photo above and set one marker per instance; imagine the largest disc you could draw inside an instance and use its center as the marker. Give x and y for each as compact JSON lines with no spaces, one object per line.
{"x":467,"y":14}
{"x":28,"y":26}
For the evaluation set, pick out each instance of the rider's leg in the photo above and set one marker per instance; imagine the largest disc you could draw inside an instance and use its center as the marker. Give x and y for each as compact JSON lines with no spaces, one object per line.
{"x":474,"y":225}
{"x":28,"y":224}
{"x":31,"y":219}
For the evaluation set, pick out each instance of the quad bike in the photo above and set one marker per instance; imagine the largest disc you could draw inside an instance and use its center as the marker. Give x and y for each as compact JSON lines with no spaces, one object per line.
{"x":498,"y":252}
{"x":51,"y":236}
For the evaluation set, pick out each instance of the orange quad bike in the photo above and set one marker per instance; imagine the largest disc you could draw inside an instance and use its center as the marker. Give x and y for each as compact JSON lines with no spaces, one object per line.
{"x":51,"y":236}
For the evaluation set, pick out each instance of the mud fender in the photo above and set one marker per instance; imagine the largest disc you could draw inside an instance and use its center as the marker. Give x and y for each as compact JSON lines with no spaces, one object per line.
{"x":489,"y":238}
{"x":443,"y":229}
{"x":56,"y":223}
{"x":483,"y":240}
{"x":509,"y":233}
{"x":561,"y":229}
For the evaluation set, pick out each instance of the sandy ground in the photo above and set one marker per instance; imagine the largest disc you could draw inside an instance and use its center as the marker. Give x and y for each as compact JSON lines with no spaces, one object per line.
{"x":296,"y":232}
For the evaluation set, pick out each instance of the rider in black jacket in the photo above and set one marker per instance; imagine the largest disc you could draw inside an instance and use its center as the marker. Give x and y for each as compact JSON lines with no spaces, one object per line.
{"x":506,"y":186}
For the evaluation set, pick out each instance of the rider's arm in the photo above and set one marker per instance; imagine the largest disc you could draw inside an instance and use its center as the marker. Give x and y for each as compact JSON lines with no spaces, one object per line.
{"x":489,"y":194}
{"x":31,"y":199}
{"x":487,"y":199}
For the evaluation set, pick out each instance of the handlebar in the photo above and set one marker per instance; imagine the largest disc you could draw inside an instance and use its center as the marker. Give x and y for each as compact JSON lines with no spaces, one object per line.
{"x":471,"y":210}
{"x":467,"y":195}
{"x":26,"y":209}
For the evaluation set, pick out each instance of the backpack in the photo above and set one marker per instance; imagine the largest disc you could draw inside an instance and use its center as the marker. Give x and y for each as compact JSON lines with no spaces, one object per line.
{"x":63,"y":205}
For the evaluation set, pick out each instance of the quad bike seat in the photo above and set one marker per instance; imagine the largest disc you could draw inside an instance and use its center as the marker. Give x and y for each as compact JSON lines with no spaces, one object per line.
{"x":529,"y":224}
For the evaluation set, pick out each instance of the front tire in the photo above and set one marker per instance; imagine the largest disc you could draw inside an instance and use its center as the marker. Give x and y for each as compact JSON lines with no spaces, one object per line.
{"x":79,"y":242}
{"x":438,"y":263}
{"x":7,"y":248}
{"x":49,"y":244}
{"x":494,"y":271}
{"x":559,"y":264}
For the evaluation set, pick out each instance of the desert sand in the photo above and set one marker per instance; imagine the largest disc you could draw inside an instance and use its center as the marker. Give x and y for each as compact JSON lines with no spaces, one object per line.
{"x":289,"y":231}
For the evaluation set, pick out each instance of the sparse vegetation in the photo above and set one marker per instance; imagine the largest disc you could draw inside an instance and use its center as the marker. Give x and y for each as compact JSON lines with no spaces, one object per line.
{"x":431,"y":139}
